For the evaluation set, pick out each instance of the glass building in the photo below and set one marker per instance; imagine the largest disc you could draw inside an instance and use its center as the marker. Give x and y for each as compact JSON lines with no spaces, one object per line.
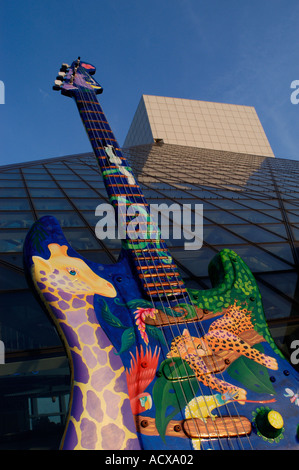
{"x":250,"y":204}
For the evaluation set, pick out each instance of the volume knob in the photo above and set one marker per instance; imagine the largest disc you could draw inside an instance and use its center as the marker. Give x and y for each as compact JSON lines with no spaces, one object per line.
{"x":269,"y":423}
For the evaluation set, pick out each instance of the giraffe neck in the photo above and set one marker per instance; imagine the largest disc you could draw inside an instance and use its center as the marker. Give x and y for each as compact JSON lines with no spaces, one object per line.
{"x":99,"y":411}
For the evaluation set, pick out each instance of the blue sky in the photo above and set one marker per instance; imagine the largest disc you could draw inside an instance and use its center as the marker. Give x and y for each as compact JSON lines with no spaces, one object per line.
{"x":232,"y":51}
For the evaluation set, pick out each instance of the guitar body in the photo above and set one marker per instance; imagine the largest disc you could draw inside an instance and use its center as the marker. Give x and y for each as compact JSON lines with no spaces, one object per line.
{"x":131,"y":388}
{"x":155,"y":365}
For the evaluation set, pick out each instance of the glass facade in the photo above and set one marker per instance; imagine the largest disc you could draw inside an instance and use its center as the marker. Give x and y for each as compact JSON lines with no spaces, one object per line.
{"x":250,"y":204}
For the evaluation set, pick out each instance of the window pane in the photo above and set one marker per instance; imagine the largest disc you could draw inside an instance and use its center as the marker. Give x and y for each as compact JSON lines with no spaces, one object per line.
{"x":197,"y":262}
{"x":218,"y":236}
{"x":11,"y":279}
{"x":35,"y":177}
{"x":41,"y":184}
{"x":24,"y":324}
{"x":52,"y":204}
{"x":254,"y":234}
{"x":222,"y":217}
{"x":12,"y":240}
{"x":258,"y":260}
{"x":16,"y":219}
{"x":254,"y":216}
{"x":12,"y":192}
{"x":14,"y":204}
{"x":48,"y":192}
{"x":80,"y":192}
{"x":11,"y":183}
{"x":81,"y":239}
{"x":65,"y":219}
{"x":10,"y":176}
{"x":88,"y":203}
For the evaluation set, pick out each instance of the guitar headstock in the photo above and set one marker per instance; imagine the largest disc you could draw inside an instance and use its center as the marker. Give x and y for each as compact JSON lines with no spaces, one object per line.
{"x":76,"y":78}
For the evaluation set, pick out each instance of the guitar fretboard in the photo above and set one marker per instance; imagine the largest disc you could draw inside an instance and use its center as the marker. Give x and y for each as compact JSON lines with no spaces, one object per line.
{"x":149,"y":254}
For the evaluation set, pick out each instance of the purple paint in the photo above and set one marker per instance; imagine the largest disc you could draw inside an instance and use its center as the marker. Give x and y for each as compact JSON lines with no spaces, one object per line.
{"x":101,"y":378}
{"x":112,"y":437}
{"x":63,"y":305}
{"x":77,"y":405}
{"x":115,"y":360}
{"x":77,"y":303}
{"x":64,"y":295}
{"x":71,"y":439}
{"x":81,"y":373}
{"x":88,"y":434}
{"x":50,"y":297}
{"x":93,"y":406}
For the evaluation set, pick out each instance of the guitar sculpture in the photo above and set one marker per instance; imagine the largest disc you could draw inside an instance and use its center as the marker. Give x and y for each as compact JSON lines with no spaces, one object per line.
{"x":155,"y":365}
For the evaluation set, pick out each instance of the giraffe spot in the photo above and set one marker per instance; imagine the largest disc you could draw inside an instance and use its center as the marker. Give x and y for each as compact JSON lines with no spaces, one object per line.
{"x":112,"y":437}
{"x":50,"y":297}
{"x":65,"y":295}
{"x":132,"y":444}
{"x":61,"y":281}
{"x":91,"y":316}
{"x":41,"y":286}
{"x":58,"y":313}
{"x":63,"y":305}
{"x":115,"y":360}
{"x":86,"y":334}
{"x":88,"y":434}
{"x":121,"y":384}
{"x":55,"y":271}
{"x":71,"y":336}
{"x":112,"y":403}
{"x":77,"y":303}
{"x":81,"y":373}
{"x":93,"y":406}
{"x":126,"y":412}
{"x":89,"y":299}
{"x":101,"y":378}
{"x":71,"y":439}
{"x":103,"y":341}
{"x":90,"y":359}
{"x":76,"y":317}
{"x":42,"y":272}
{"x":101,"y":355}
{"x":77,"y":405}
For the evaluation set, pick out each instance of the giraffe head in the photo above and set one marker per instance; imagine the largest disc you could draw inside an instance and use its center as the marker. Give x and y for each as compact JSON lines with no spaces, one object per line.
{"x":69,"y":274}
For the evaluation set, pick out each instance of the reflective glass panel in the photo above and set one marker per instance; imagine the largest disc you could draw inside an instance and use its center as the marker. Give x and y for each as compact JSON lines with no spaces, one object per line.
{"x":16,"y":219}
{"x":14,"y":204}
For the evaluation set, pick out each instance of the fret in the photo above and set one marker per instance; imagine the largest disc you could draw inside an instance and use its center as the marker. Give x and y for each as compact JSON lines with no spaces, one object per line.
{"x":160,"y":275}
{"x":157,"y":266}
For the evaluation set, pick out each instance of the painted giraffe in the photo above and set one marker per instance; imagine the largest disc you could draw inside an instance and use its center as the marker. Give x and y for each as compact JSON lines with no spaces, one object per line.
{"x":100,"y":415}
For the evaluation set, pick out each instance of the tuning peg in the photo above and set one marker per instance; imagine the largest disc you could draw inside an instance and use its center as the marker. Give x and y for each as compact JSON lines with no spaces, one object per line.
{"x":57,"y":84}
{"x":60,"y":75}
{"x":64,"y":67}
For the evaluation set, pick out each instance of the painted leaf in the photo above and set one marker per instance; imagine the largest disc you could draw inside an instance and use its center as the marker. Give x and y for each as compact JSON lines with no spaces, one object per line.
{"x":107,"y":316}
{"x":127,"y":340}
{"x":252,"y":375}
{"x":171,"y":395}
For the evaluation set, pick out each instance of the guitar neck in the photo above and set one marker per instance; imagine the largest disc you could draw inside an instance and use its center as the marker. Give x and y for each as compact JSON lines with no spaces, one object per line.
{"x":149,"y":254}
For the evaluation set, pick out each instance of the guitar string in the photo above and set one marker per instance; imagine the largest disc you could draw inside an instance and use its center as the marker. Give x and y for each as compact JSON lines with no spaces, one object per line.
{"x":152,"y":301}
{"x":164,"y":270}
